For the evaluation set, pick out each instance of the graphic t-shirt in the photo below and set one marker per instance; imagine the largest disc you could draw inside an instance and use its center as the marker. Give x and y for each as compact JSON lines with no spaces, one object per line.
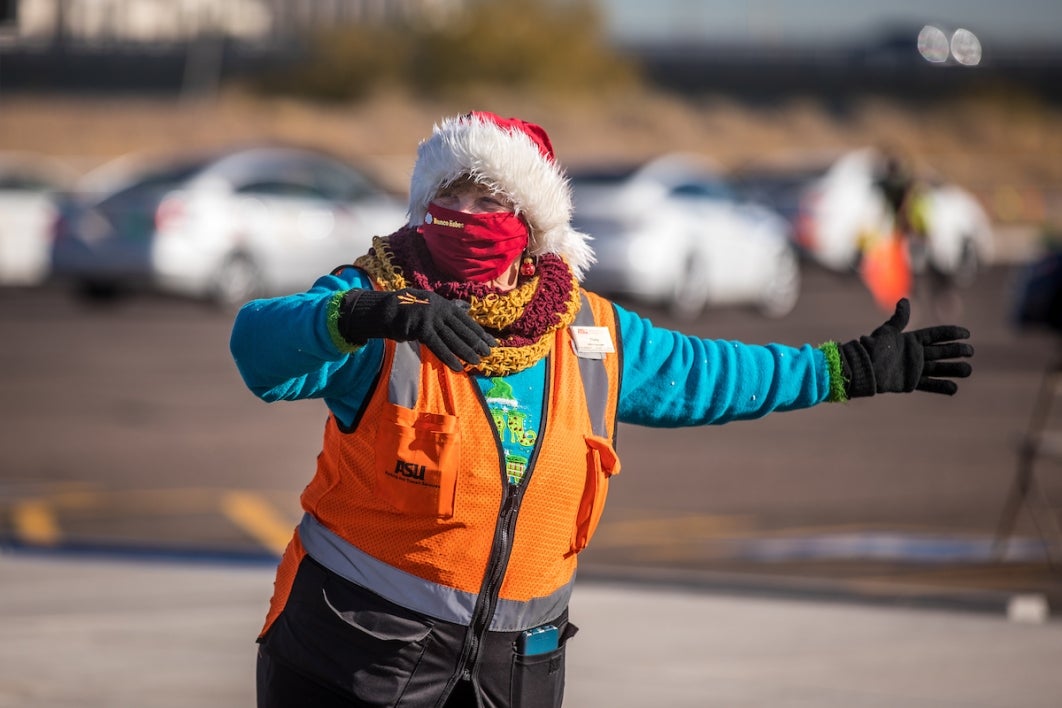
{"x":515,"y":404}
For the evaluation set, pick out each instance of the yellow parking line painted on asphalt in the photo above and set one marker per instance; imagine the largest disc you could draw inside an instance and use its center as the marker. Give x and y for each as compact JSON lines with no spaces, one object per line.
{"x":259,"y":518}
{"x":670,"y":530}
{"x":35,"y":523}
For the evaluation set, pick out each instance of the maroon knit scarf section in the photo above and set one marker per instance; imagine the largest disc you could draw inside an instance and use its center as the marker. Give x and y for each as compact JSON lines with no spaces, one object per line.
{"x":542,"y":312}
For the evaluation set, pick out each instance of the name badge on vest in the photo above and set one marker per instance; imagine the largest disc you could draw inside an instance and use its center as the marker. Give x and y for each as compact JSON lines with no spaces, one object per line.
{"x":592,"y":342}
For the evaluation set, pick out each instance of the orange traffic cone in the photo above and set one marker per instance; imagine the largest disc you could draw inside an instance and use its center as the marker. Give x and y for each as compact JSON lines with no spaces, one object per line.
{"x":886,"y":271}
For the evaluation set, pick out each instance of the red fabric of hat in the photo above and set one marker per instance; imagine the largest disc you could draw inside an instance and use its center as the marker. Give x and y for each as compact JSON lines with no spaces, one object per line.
{"x":535,"y":132}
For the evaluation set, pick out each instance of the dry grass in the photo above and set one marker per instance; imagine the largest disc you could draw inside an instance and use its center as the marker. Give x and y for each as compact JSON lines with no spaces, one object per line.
{"x":1008,"y":151}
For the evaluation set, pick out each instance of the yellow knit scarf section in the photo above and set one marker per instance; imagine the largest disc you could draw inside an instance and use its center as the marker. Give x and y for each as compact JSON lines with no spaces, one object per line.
{"x":495,"y":312}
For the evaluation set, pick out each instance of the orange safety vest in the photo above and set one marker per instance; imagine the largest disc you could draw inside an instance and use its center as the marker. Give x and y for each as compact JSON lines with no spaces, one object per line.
{"x":414,"y":502}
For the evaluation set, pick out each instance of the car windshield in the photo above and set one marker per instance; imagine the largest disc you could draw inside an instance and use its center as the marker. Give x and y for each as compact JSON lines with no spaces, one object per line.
{"x":602,"y":176}
{"x":773,"y":180}
{"x":591,"y":185}
{"x":24,"y":182}
{"x":153,"y":181}
{"x":294,"y":174}
{"x":780,"y":188}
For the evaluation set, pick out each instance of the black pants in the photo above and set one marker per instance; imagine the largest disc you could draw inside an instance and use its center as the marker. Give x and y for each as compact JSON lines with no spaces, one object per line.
{"x":283,"y":687}
{"x":337,"y":644}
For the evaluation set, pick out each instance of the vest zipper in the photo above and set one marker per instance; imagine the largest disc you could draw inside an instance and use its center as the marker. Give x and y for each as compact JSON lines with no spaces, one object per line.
{"x":496,"y":566}
{"x":487,"y":601}
{"x":502,"y":546}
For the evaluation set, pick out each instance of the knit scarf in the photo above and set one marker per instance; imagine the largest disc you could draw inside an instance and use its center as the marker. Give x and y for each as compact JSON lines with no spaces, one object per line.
{"x":523,"y":320}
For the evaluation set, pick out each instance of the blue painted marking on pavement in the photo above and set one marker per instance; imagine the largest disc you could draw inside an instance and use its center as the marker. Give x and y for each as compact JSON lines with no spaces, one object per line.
{"x":887,"y":546}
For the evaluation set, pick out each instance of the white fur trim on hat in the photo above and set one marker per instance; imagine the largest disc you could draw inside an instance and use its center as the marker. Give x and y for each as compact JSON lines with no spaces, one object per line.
{"x":511,"y":163}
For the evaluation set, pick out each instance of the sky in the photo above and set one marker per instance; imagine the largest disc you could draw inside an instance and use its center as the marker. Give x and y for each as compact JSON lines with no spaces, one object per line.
{"x":1001,"y":23}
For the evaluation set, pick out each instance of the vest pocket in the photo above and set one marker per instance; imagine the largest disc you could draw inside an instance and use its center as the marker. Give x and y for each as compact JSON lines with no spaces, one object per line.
{"x":416,"y":461}
{"x":601,"y":463}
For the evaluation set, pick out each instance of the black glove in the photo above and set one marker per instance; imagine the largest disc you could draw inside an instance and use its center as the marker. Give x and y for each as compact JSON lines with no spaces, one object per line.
{"x":443,"y":326}
{"x":891,"y":360}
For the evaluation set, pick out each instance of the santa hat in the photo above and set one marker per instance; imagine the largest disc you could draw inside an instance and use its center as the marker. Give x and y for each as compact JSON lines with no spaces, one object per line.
{"x":514,"y":158}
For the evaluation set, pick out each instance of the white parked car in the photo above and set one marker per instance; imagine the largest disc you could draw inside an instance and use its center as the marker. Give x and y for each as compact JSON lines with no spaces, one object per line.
{"x":834,"y":205}
{"x":671,"y":232}
{"x":29,"y":187}
{"x":228,"y":227}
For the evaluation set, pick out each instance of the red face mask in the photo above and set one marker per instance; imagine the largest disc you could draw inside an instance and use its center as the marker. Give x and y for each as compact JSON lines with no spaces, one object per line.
{"x":473,"y":247}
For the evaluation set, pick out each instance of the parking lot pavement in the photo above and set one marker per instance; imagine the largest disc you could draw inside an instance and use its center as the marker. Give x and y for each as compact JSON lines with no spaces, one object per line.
{"x":85,"y":631}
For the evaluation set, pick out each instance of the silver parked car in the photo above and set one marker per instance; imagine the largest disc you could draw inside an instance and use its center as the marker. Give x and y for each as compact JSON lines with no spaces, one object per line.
{"x":30,"y":185}
{"x":671,"y":232}
{"x":227,"y":226}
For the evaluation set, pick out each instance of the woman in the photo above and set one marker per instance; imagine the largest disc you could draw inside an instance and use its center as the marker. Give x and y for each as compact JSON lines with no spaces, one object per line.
{"x":473,"y":391}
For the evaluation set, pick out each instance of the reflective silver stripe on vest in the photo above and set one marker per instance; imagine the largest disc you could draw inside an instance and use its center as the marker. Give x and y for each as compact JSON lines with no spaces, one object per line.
{"x":594,"y":376}
{"x":418,"y":594}
{"x":403,"y":387}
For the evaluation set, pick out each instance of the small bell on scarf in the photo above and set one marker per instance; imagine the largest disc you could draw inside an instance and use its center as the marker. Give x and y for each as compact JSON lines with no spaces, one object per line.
{"x":527,"y":267}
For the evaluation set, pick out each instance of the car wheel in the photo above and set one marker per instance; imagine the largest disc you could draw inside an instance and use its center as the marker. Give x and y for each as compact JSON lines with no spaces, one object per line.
{"x":97,"y":291}
{"x":690,"y":295}
{"x":783,"y":289}
{"x":236,"y":281}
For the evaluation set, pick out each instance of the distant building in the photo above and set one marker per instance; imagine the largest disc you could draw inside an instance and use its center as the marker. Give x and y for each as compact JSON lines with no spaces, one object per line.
{"x":192,"y":45}
{"x":108,"y":22}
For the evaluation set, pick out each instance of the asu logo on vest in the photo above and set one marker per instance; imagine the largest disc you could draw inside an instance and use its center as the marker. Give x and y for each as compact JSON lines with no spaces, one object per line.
{"x":413,"y":473}
{"x":416,"y":488}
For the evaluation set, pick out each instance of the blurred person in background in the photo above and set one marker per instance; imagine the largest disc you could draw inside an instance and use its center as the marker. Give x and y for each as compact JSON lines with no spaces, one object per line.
{"x":901,"y":192}
{"x":907,"y":213}
{"x":473,"y":391}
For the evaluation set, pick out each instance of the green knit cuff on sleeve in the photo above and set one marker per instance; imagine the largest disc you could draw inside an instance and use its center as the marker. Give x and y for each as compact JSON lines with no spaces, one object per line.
{"x":338,"y":340}
{"x":833,"y":367}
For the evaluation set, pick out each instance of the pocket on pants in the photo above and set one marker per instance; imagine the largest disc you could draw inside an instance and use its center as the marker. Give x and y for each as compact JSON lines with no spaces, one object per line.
{"x":348,"y":638}
{"x":538,"y":679}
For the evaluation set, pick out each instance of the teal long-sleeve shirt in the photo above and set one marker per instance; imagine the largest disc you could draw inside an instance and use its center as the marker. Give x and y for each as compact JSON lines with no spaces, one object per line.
{"x":287,"y":348}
